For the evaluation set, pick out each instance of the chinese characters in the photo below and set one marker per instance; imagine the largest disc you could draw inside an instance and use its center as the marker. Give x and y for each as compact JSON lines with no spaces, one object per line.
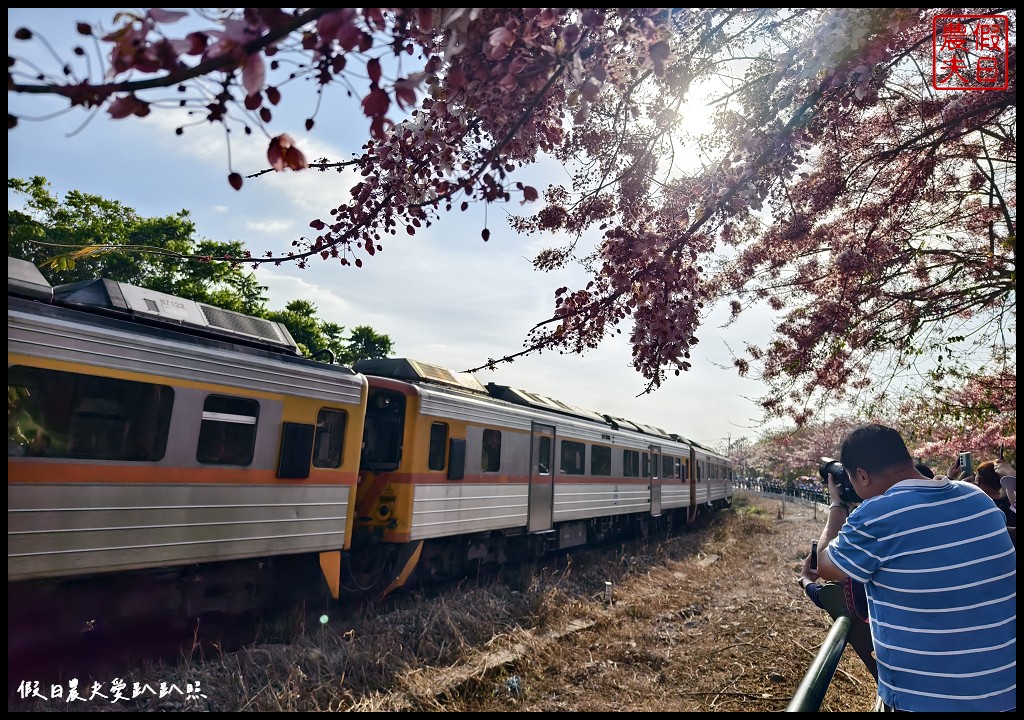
{"x":969,"y":52}
{"x":113,"y":693}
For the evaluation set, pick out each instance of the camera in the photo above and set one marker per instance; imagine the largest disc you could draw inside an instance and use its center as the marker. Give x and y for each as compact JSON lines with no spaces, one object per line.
{"x":840,"y":477}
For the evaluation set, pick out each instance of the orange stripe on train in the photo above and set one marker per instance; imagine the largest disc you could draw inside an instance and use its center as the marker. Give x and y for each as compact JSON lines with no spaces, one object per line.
{"x":25,"y":470}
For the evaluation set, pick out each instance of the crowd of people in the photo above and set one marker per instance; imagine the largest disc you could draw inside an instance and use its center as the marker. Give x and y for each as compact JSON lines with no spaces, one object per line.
{"x":805,"y":488}
{"x":934,"y":559}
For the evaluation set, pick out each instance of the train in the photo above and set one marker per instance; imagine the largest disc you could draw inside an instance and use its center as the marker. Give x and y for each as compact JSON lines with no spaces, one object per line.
{"x":168,"y":454}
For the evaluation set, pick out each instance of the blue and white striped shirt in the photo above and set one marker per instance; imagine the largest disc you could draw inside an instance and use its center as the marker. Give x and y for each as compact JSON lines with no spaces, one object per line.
{"x":940,"y":572}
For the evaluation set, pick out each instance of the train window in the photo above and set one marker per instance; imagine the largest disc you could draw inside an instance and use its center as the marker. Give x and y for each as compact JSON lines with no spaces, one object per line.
{"x":699,"y":463}
{"x":646,"y":465}
{"x":631,"y":463}
{"x":573,"y":454}
{"x":438,"y":442}
{"x":456,"y":459}
{"x":490,"y":455}
{"x":543,"y":455}
{"x":227,"y":435}
{"x":667,"y":463}
{"x":382,"y":431}
{"x":678,"y":474}
{"x":330,"y":432}
{"x":600,"y":460}
{"x":51,"y":413}
{"x":686,"y":472}
{"x":295,"y":458}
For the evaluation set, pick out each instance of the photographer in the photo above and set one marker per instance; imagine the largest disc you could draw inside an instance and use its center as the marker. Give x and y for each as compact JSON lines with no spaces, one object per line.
{"x":925,"y":549}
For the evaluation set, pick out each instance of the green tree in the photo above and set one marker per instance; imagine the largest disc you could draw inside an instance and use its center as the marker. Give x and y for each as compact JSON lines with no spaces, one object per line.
{"x":148,"y":252}
{"x":365,"y":343}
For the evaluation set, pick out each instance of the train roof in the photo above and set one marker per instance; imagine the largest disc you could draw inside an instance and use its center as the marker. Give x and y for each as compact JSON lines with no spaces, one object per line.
{"x":149,"y":306}
{"x":419,"y":371}
{"x":536,"y":400}
{"x":108,"y":297}
{"x":543,"y":402}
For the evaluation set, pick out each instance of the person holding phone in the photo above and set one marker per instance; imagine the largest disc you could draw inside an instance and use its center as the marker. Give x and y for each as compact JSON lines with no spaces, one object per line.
{"x":962,"y":468}
{"x":940,"y":574}
{"x":1009,"y":485}
{"x":989,"y":481}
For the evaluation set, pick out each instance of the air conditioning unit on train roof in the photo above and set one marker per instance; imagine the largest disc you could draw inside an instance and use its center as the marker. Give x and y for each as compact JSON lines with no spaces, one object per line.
{"x":418,"y":371}
{"x":653,"y":430}
{"x":164,"y":308}
{"x":622,"y":423}
{"x":536,"y":400}
{"x":640,"y":427}
{"x":24,"y":279}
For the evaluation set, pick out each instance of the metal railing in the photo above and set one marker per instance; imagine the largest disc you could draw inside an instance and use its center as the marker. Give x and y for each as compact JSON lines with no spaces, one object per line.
{"x":812,"y":689}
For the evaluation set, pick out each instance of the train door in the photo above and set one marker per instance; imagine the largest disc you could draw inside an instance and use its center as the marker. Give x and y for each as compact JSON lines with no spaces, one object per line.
{"x":655,"y":479}
{"x":542,"y":478}
{"x":691,"y":515}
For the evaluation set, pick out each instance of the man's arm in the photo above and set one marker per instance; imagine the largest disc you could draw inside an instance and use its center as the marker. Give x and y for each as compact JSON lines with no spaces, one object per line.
{"x":827,"y":570}
{"x":838,"y":511}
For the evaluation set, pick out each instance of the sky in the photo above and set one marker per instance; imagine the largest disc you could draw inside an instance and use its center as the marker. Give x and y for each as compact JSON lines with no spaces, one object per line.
{"x":444,"y":296}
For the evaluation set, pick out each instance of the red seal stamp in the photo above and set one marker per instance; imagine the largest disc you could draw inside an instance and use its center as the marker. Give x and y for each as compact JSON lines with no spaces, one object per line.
{"x":969,"y":52}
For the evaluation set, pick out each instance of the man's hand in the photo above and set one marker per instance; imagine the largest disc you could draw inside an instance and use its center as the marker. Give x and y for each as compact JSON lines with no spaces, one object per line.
{"x":835,"y":495}
{"x":807,"y":573}
{"x":1004,"y":469}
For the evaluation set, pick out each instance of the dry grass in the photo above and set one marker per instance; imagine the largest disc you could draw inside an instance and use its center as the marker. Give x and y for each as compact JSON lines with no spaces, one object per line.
{"x":708,"y":621}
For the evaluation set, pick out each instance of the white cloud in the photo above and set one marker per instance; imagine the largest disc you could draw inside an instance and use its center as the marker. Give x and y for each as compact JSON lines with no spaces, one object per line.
{"x":269,"y":228}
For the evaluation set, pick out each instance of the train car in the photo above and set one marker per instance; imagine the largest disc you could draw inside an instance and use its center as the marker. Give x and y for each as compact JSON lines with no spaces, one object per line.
{"x":169,"y":455}
{"x":456,"y":473}
{"x":163,"y":452}
{"x":714,"y":476}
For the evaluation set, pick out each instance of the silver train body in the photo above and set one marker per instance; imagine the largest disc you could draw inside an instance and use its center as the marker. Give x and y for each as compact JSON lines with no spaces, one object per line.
{"x":148,"y":432}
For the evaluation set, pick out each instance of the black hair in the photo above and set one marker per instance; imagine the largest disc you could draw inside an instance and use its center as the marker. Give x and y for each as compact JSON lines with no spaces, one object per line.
{"x":872,"y":448}
{"x":924,"y":470}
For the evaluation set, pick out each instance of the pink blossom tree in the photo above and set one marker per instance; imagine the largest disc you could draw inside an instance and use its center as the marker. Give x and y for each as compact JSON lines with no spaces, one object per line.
{"x":975,"y":413}
{"x":873,"y":213}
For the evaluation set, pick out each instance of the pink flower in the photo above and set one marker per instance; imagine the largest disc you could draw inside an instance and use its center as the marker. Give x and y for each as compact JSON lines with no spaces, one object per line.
{"x":282,"y":154}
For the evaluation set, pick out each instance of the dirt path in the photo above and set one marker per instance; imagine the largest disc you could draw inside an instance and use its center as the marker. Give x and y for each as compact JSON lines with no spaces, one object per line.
{"x":720,"y":626}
